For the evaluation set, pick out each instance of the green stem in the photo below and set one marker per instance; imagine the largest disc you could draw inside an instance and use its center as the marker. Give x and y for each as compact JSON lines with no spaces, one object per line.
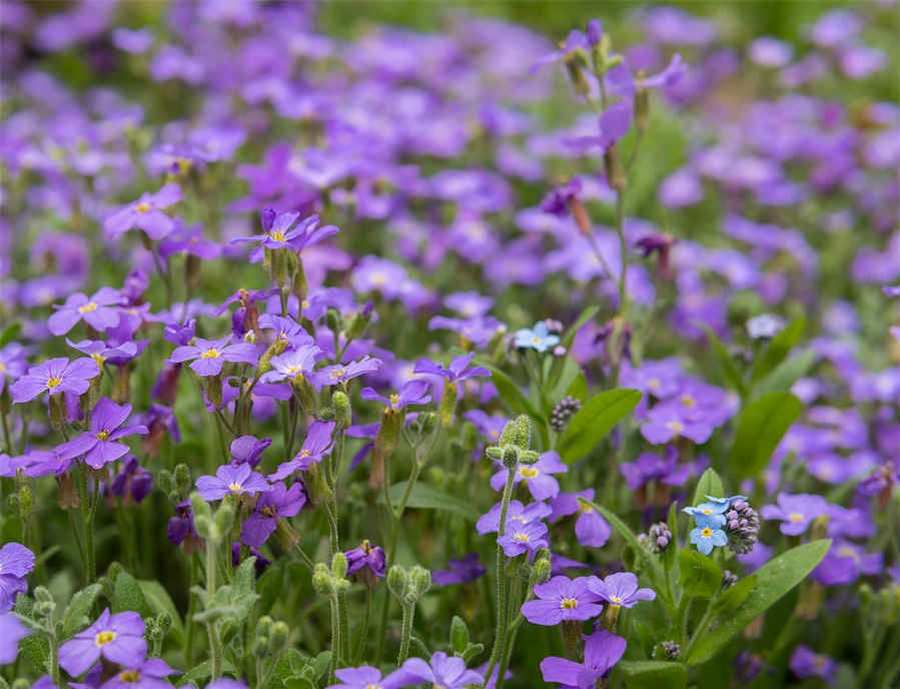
{"x":409,"y":612}
{"x":363,"y":629}
{"x":502,"y":581}
{"x":344,"y":623}
{"x":189,"y":620}
{"x":87,"y":525}
{"x":335,"y":635}
{"x":7,"y":437}
{"x":701,"y":626}
{"x":215,"y":646}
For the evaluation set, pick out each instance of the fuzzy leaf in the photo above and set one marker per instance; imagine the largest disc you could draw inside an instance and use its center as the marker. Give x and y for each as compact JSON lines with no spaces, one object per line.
{"x":158,"y":600}
{"x":127,"y":595}
{"x":77,"y":615}
{"x":594,"y":421}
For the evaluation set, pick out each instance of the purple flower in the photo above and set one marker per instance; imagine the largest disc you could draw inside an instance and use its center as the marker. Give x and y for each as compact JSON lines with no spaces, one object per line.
{"x":412,"y":392}
{"x":367,"y":677}
{"x":517,"y":512}
{"x":459,"y":571}
{"x":591,"y":529}
{"x":444,"y":671}
{"x":316,"y":446}
{"x":99,"y":444}
{"x":248,"y":449}
{"x":292,"y":365}
{"x":561,"y":599}
{"x":281,"y":233}
{"x":806,"y":663}
{"x":538,"y":476}
{"x":94,"y":310}
{"x":795,"y":512}
{"x":12,"y":631}
{"x":602,"y":650}
{"x":149,"y":674}
{"x":55,"y":376}
{"x":523,"y":538}
{"x":231,"y":479}
{"x":13,"y":363}
{"x":209,"y":356}
{"x":133,"y":482}
{"x":117,"y":638}
{"x":845,"y":562}
{"x":16,"y":561}
{"x":145,"y":214}
{"x":458,"y":370}
{"x":226,"y":683}
{"x":366,"y":556}
{"x":341,"y":373}
{"x":277,"y":503}
{"x":620,"y":589}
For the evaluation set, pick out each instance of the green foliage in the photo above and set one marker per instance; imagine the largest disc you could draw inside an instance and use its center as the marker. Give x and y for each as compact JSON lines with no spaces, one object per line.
{"x":594,"y":421}
{"x":760,"y":427}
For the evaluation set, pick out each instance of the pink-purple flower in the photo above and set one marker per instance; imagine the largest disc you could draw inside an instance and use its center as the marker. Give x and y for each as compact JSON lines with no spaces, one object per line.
{"x":55,"y":376}
{"x":602,"y":650}
{"x":561,"y":599}
{"x":231,"y":479}
{"x":620,"y":589}
{"x":99,"y":444}
{"x":209,"y":356}
{"x":94,"y":310}
{"x":145,"y":214}
{"x":117,"y":638}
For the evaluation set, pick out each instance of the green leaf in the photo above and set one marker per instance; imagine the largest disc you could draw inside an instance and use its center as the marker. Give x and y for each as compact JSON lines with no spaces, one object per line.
{"x":35,"y":651}
{"x":564,"y":375}
{"x":77,"y":615}
{"x":760,"y":426}
{"x":586,"y":315}
{"x":10,"y":333}
{"x":579,"y":388}
{"x":425,"y":497}
{"x":127,"y":595}
{"x":732,"y":599}
{"x":729,"y":373}
{"x":773,"y":580}
{"x":647,"y":558}
{"x":653,"y":674}
{"x":202,"y":671}
{"x":709,"y":484}
{"x":594,"y":421}
{"x":786,"y":373}
{"x":778,"y":348}
{"x":159,"y":600}
{"x":510,"y":393}
{"x":699,"y":575}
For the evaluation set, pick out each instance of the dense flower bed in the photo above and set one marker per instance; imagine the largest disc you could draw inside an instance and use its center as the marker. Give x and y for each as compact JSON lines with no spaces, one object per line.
{"x":451,"y":359}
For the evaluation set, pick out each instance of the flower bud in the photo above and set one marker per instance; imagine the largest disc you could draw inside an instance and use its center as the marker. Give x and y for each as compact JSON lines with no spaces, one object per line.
{"x":448,"y":404}
{"x":278,"y":638}
{"x":183,"y":479}
{"x":321,"y":579}
{"x":299,"y":285}
{"x":343,"y":414}
{"x":397,"y":581}
{"x":420,"y":581}
{"x":339,"y":565}
{"x":224,"y":518}
{"x":360,"y":322}
{"x":459,"y":635}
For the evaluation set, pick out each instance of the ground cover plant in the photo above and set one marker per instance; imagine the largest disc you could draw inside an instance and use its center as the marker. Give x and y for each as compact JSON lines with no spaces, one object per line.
{"x":527,"y":344}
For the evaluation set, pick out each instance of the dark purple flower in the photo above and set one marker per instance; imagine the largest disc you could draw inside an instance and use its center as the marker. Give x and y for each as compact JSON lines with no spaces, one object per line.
{"x":806,"y":663}
{"x":99,"y":444}
{"x":231,"y":479}
{"x":277,"y":503}
{"x":316,"y":446}
{"x":94,"y":310}
{"x":561,"y":599}
{"x":118,"y":638}
{"x":459,"y":571}
{"x":366,"y":556}
{"x":444,"y":671}
{"x":620,"y":589}
{"x":248,"y":449}
{"x":16,"y":562}
{"x":209,"y":356}
{"x":55,"y":376}
{"x":133,"y":482}
{"x":180,"y":528}
{"x":145,"y":214}
{"x":602,"y":650}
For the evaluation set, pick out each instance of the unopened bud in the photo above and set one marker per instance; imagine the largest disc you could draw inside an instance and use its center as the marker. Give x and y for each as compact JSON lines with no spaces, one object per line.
{"x":343,"y":413}
{"x":397,"y":581}
{"x":420,"y":581}
{"x":224,"y":518}
{"x":339,"y":565}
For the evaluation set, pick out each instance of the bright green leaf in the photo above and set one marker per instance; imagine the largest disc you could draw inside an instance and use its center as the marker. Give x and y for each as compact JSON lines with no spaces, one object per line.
{"x":652,"y":674}
{"x":778,"y":348}
{"x":510,"y":393}
{"x":426,"y":497}
{"x":587,"y":314}
{"x":709,"y":484}
{"x":698,"y":574}
{"x":127,"y":595}
{"x":760,"y":426}
{"x":783,"y":376}
{"x":594,"y":421}
{"x":10,"y":333}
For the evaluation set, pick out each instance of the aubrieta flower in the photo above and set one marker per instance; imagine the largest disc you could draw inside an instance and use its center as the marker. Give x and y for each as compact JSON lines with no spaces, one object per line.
{"x":280,"y":232}
{"x":16,"y":562}
{"x":448,"y":672}
{"x":412,"y":392}
{"x":523,"y":538}
{"x":149,"y":674}
{"x":516,"y":513}
{"x":248,"y":449}
{"x":342,"y":373}
{"x":316,"y":445}
{"x":460,"y":369}
{"x":368,"y":677}
{"x":795,"y":511}
{"x":561,"y":599}
{"x":807,"y":663}
{"x":102,"y":352}
{"x":459,"y":571}
{"x":99,"y":444}
{"x":366,"y":556}
{"x":602,"y":650}
{"x":538,"y":477}
{"x":12,"y":631}
{"x":94,"y":310}
{"x":55,"y":376}
{"x":293,"y":365}
{"x":145,"y":214}
{"x":539,"y":338}
{"x":13,"y":362}
{"x":591,"y":529}
{"x":117,"y":638}
{"x":209,"y":356}
{"x":278,"y":502}
{"x":620,"y":590}
{"x":845,"y":562}
{"x":231,"y":479}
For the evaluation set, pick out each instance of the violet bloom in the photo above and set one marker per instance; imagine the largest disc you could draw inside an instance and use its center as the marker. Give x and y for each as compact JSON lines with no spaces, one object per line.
{"x":149,"y":674}
{"x":458,"y":370}
{"x":807,"y":663}
{"x":368,"y":677}
{"x":248,"y":449}
{"x":16,"y":562}
{"x":602,"y":650}
{"x":412,"y":392}
{"x":226,"y":683}
{"x":316,"y":446}
{"x":448,"y":672}
{"x":459,"y":571}
{"x":591,"y":529}
{"x":94,"y":310}
{"x":277,"y":503}
{"x":795,"y":512}
{"x":133,"y":482}
{"x":538,"y":476}
{"x":281,"y":233}
{"x":99,"y":444}
{"x":145,"y":214}
{"x":523,"y":538}
{"x":209,"y":356}
{"x":12,"y":631}
{"x":845,"y":562}
{"x":341,"y":373}
{"x":561,"y":599}
{"x":231,"y":479}
{"x":366,"y":556}
{"x":55,"y":376}
{"x":13,"y":363}
{"x":516,"y":513}
{"x":117,"y":638}
{"x":292,"y":366}
{"x":620,"y":589}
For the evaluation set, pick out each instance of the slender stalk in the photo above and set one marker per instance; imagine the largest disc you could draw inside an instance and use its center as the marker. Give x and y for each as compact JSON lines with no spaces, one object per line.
{"x":87,"y":526}
{"x":7,"y":436}
{"x":363,"y":629}
{"x":502,"y":581}
{"x":409,"y":612}
{"x":344,"y":623}
{"x":189,"y":620}
{"x":215,"y":646}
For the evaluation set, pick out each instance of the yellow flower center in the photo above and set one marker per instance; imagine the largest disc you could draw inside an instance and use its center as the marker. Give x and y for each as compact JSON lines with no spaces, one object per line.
{"x":615,"y":600}
{"x":676,"y":426}
{"x":104,"y":637}
{"x":142,"y":207}
{"x":395,"y":399}
{"x":90,"y":307}
{"x":847,"y":551}
{"x":305,"y":453}
{"x":277,"y":235}
{"x":235,"y":487}
{"x":528,"y":472}
{"x":706,"y":510}
{"x":338,"y":372}
{"x":521,"y":537}
{"x":654,"y":383}
{"x":688,"y":400}
{"x":796,"y":517}
{"x":2,"y":367}
{"x":706,"y":532}
{"x":99,"y":359}
{"x":54,"y":381}
{"x":585,"y":507}
{"x":568,"y":603}
{"x":130,"y":676}
{"x":211,"y":353}
{"x":102,"y":435}
{"x":535,"y":340}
